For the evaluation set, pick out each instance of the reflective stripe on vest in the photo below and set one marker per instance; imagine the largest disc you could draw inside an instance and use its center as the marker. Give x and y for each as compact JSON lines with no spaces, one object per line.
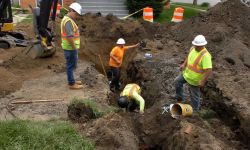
{"x":194,"y":67}
{"x":133,"y":89}
{"x":130,"y":89}
{"x":65,"y":43}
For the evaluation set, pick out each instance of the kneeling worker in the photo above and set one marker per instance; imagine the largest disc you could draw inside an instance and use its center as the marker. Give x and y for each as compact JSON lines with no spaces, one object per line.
{"x":130,"y":98}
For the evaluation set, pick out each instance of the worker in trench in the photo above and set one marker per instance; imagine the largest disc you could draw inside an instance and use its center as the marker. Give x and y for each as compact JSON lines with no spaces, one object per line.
{"x":196,"y":69}
{"x":131,"y":99}
{"x":115,"y":62}
{"x":71,"y":43}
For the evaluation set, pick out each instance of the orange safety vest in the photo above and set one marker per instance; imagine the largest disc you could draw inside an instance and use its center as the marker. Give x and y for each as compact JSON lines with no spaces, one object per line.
{"x":65,"y":43}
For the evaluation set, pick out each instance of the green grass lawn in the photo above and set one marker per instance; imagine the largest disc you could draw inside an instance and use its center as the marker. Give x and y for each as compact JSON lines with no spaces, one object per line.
{"x":190,"y":5}
{"x":31,"y":135}
{"x":167,"y":14}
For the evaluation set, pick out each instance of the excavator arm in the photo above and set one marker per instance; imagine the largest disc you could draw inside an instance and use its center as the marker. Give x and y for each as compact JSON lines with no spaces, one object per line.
{"x":6,"y":13}
{"x":44,"y":45}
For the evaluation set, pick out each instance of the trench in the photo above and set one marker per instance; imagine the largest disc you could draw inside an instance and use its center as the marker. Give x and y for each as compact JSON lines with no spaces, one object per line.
{"x":158,"y":131}
{"x":153,"y":131}
{"x":226,"y":112}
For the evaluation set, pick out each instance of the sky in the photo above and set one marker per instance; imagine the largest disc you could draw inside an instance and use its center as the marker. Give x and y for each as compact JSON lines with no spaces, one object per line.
{"x":212,"y":2}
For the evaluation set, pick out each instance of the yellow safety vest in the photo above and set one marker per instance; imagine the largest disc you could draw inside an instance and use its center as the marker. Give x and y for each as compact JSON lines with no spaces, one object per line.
{"x":194,"y":72}
{"x":130,"y":89}
{"x":65,"y":43}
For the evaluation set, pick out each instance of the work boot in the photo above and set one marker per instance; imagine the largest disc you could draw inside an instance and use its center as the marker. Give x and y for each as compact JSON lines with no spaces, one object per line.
{"x":75,"y":86}
{"x":78,"y":82}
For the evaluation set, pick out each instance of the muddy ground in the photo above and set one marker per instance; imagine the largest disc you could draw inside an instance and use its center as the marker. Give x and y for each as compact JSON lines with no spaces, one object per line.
{"x":225,"y":116}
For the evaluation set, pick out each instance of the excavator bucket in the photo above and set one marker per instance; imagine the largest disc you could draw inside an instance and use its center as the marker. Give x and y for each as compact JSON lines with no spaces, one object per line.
{"x":37,"y":50}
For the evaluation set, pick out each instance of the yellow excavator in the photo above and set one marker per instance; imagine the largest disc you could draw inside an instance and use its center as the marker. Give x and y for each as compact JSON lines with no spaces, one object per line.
{"x":9,"y":38}
{"x":43,"y":45}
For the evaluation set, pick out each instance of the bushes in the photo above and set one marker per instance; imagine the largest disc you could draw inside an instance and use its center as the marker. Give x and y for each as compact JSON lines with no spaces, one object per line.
{"x":135,"y":5}
{"x":205,"y":4}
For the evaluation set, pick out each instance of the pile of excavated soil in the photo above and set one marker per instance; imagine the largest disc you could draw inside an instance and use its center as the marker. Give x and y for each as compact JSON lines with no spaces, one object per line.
{"x":99,"y":36}
{"x":226,"y":26}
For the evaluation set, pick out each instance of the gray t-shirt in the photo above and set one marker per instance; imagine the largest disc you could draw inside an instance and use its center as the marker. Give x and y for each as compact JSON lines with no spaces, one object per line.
{"x":69,"y":29}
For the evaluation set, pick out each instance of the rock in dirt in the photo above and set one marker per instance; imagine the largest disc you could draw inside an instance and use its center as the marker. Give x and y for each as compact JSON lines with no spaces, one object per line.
{"x":1,"y":62}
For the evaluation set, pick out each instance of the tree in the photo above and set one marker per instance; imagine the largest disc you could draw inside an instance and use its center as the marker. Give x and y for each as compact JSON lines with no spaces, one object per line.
{"x":195,"y":2}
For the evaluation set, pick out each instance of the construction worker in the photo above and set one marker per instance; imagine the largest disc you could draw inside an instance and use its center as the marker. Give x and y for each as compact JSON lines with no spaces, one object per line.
{"x":130,"y":98}
{"x":195,"y":71}
{"x":71,"y":43}
{"x":115,"y":61}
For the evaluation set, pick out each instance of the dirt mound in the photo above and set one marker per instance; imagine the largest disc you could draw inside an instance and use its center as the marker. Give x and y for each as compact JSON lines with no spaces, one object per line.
{"x":226,"y":27}
{"x":89,"y":76}
{"x":99,"y":35}
{"x":111,"y":132}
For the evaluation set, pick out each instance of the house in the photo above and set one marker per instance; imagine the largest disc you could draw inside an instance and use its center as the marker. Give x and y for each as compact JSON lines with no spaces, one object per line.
{"x":25,"y":3}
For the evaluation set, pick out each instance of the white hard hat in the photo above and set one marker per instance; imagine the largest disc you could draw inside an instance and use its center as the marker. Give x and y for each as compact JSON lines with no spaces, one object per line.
{"x":76,"y":7}
{"x":199,"y":40}
{"x":120,"y":41}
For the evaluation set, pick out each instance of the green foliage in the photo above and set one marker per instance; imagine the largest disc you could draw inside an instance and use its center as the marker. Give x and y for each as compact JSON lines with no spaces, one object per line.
{"x":16,"y":5}
{"x":53,"y":135}
{"x":186,"y":5}
{"x":135,"y":5}
{"x":98,"y":112}
{"x":205,"y":4}
{"x":16,"y":10}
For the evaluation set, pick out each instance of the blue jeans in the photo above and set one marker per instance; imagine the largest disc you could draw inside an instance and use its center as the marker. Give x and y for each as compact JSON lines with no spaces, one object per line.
{"x":194,"y":92}
{"x":71,"y":57}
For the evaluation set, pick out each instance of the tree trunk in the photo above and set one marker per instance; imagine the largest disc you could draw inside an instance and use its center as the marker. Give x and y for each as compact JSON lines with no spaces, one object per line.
{"x":194,"y":2}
